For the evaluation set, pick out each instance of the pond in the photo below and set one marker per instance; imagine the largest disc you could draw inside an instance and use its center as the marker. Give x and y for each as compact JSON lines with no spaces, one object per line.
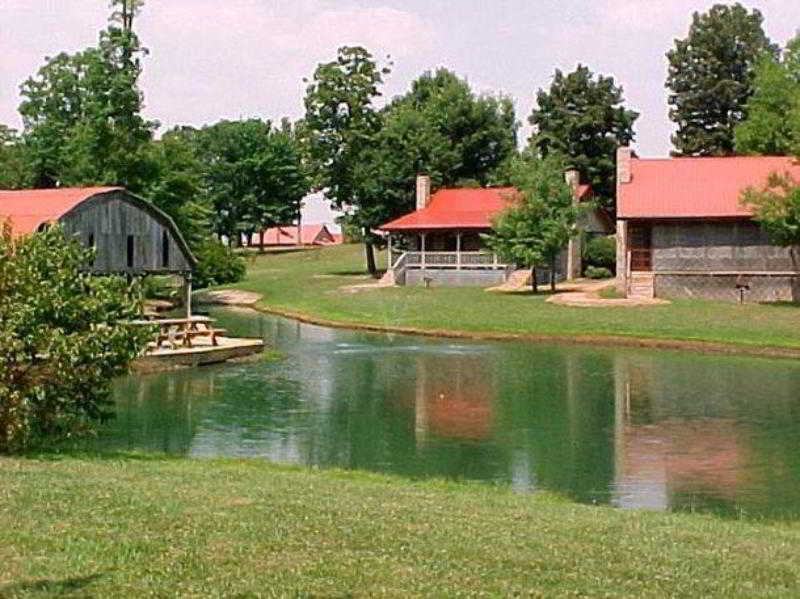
{"x":619,"y":426}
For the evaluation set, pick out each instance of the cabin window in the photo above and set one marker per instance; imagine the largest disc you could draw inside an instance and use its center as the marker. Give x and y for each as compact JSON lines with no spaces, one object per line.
{"x":130,"y":251}
{"x":164,"y":249}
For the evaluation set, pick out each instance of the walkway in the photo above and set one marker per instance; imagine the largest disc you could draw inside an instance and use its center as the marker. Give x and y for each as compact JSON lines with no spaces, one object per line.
{"x":585,"y":294}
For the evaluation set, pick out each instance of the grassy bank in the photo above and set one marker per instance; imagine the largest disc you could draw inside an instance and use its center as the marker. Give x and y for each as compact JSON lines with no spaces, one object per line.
{"x":143,"y":526}
{"x":312,"y":283}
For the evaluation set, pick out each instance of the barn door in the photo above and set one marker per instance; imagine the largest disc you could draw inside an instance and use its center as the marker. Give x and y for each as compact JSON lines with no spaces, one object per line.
{"x":639,"y":239}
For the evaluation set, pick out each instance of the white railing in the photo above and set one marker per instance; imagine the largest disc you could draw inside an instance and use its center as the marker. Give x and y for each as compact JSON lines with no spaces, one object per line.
{"x":449,"y":260}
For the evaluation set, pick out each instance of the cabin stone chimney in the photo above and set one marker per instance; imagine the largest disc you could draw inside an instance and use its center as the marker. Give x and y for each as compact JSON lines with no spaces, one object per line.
{"x":575,"y":247}
{"x":423,"y":191}
{"x":624,"y":155}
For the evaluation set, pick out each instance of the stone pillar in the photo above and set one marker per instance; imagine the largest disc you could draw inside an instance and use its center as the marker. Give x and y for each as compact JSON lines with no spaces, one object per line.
{"x":423,"y":191}
{"x":622,"y":256}
{"x":574,"y":248}
{"x":389,"y":259}
{"x":422,"y":249}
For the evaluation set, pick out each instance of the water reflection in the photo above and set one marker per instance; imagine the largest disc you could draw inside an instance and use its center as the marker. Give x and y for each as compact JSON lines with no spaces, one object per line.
{"x":631,"y":428}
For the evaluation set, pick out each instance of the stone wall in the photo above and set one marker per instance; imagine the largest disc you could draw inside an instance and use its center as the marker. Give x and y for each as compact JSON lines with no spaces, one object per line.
{"x":716,"y":246}
{"x":723,"y":287}
{"x":455,"y":278}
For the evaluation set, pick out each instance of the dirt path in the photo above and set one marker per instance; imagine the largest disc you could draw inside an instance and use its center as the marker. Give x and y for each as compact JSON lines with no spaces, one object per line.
{"x":585,"y":294}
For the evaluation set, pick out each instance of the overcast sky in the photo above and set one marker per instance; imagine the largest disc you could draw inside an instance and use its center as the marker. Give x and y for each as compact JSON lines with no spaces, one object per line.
{"x":214,"y":59}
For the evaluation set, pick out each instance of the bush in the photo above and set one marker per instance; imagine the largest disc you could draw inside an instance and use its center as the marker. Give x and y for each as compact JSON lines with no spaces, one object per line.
{"x":63,"y":338}
{"x":216,"y":265}
{"x":601,"y":252}
{"x":598,"y":272}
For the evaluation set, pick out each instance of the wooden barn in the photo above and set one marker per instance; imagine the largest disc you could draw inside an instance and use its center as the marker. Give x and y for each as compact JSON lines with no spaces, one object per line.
{"x":130,"y":235}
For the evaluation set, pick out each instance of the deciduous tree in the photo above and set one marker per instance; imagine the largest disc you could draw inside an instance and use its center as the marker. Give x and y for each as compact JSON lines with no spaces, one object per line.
{"x":584,"y":118}
{"x":538,"y":225}
{"x":772,"y":126}
{"x":776,"y":207}
{"x":64,"y":338}
{"x":342,"y":123}
{"x":710,"y":79}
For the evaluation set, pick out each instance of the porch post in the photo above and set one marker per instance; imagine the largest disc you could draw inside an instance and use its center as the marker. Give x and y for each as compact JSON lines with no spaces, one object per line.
{"x":422,"y":249}
{"x":458,"y":250}
{"x":389,"y":260}
{"x":187,"y":286}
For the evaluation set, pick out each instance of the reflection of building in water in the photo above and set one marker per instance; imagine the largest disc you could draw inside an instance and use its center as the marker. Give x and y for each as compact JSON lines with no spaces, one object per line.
{"x":662,"y":459}
{"x":454,"y":397}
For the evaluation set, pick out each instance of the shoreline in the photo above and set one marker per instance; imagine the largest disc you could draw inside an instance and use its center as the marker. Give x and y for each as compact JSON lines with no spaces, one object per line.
{"x":706,"y":347}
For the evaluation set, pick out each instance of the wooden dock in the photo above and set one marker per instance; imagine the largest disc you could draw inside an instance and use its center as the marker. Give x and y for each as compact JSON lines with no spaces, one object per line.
{"x":201,"y":353}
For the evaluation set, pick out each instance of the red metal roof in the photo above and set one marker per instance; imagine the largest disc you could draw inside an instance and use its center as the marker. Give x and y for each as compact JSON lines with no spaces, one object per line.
{"x":456,"y":208}
{"x":29,"y":208}
{"x":462,"y":208}
{"x":287,"y":235}
{"x":695,"y":187}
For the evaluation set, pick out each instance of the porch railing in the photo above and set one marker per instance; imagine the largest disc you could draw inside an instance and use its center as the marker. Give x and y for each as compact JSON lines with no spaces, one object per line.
{"x":447,"y":260}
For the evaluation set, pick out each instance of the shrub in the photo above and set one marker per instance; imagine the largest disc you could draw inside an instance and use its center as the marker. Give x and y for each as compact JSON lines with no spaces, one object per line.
{"x":598,"y":272}
{"x":63,"y":338}
{"x":216,"y":265}
{"x":601,"y":252}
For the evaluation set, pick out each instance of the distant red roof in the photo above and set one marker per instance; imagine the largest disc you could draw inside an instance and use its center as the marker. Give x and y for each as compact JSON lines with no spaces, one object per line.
{"x":287,"y":235}
{"x":695,"y":187}
{"x":28,"y":209}
{"x":462,"y":208}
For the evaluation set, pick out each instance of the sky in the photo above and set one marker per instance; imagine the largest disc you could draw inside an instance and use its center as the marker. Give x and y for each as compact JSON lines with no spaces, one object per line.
{"x":215,"y":59}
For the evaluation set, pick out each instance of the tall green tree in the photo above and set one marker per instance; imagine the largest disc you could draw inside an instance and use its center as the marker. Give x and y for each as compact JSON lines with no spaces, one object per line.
{"x":82,"y":116}
{"x":538,"y":225}
{"x":583,"y":117}
{"x":341,"y":123}
{"x":711,"y":74}
{"x":772,"y":125}
{"x":14,"y":173}
{"x":253,"y":175}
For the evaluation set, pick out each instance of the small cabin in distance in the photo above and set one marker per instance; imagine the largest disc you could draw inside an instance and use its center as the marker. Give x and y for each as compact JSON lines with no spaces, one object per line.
{"x":130,"y":235}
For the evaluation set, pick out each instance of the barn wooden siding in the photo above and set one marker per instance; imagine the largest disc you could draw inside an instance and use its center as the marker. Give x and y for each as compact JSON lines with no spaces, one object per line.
{"x":107,"y":220}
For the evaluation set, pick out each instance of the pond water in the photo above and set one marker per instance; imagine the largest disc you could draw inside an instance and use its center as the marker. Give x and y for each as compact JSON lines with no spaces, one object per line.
{"x":630,"y":428}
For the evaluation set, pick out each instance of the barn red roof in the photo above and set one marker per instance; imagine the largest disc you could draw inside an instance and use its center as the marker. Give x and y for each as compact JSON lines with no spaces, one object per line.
{"x":29,"y":208}
{"x":462,"y":208}
{"x":695,"y":187}
{"x":287,"y":235}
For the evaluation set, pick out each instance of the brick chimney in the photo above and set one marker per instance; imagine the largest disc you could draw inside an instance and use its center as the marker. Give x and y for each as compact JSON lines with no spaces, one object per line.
{"x":624,"y":155}
{"x":423,"y":191}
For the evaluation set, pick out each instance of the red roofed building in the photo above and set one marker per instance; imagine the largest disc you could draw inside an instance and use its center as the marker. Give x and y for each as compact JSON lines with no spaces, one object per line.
{"x":294,"y":235}
{"x":441,"y":240}
{"x":682,"y":231}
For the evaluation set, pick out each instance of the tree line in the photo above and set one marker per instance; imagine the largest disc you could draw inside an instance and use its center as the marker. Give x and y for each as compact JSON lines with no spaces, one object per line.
{"x":731,"y":90}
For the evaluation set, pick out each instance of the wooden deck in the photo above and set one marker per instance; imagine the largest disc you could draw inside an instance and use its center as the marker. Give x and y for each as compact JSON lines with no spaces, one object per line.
{"x":201,"y":353}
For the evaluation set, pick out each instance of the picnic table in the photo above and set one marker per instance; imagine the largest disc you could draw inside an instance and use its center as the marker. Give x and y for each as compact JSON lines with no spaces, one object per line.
{"x":180,"y":331}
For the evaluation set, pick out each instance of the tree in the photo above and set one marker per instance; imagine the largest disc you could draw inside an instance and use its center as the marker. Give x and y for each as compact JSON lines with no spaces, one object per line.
{"x":13,"y":164}
{"x":82,"y":116}
{"x":710,"y":78}
{"x":583,"y":118}
{"x":776,"y":207}
{"x":440,"y":128}
{"x":537,"y":226}
{"x":772,"y":125}
{"x":341,"y":124}
{"x":253,"y":176}
{"x":64,"y":338}
{"x":125,"y":11}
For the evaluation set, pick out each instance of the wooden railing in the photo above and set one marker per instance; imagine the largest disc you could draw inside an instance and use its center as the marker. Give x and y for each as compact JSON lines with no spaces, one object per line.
{"x":447,"y":260}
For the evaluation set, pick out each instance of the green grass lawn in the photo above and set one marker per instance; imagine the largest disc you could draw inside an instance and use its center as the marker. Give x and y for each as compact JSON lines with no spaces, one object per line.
{"x":310,"y":283}
{"x":132,"y":526}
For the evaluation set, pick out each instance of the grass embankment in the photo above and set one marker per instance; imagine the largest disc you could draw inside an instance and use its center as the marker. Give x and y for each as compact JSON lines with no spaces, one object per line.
{"x":148,"y":527}
{"x":310,"y":284}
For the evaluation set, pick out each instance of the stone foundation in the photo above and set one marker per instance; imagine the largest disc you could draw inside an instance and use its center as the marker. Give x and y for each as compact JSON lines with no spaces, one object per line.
{"x":455,"y":278}
{"x":723,"y":287}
